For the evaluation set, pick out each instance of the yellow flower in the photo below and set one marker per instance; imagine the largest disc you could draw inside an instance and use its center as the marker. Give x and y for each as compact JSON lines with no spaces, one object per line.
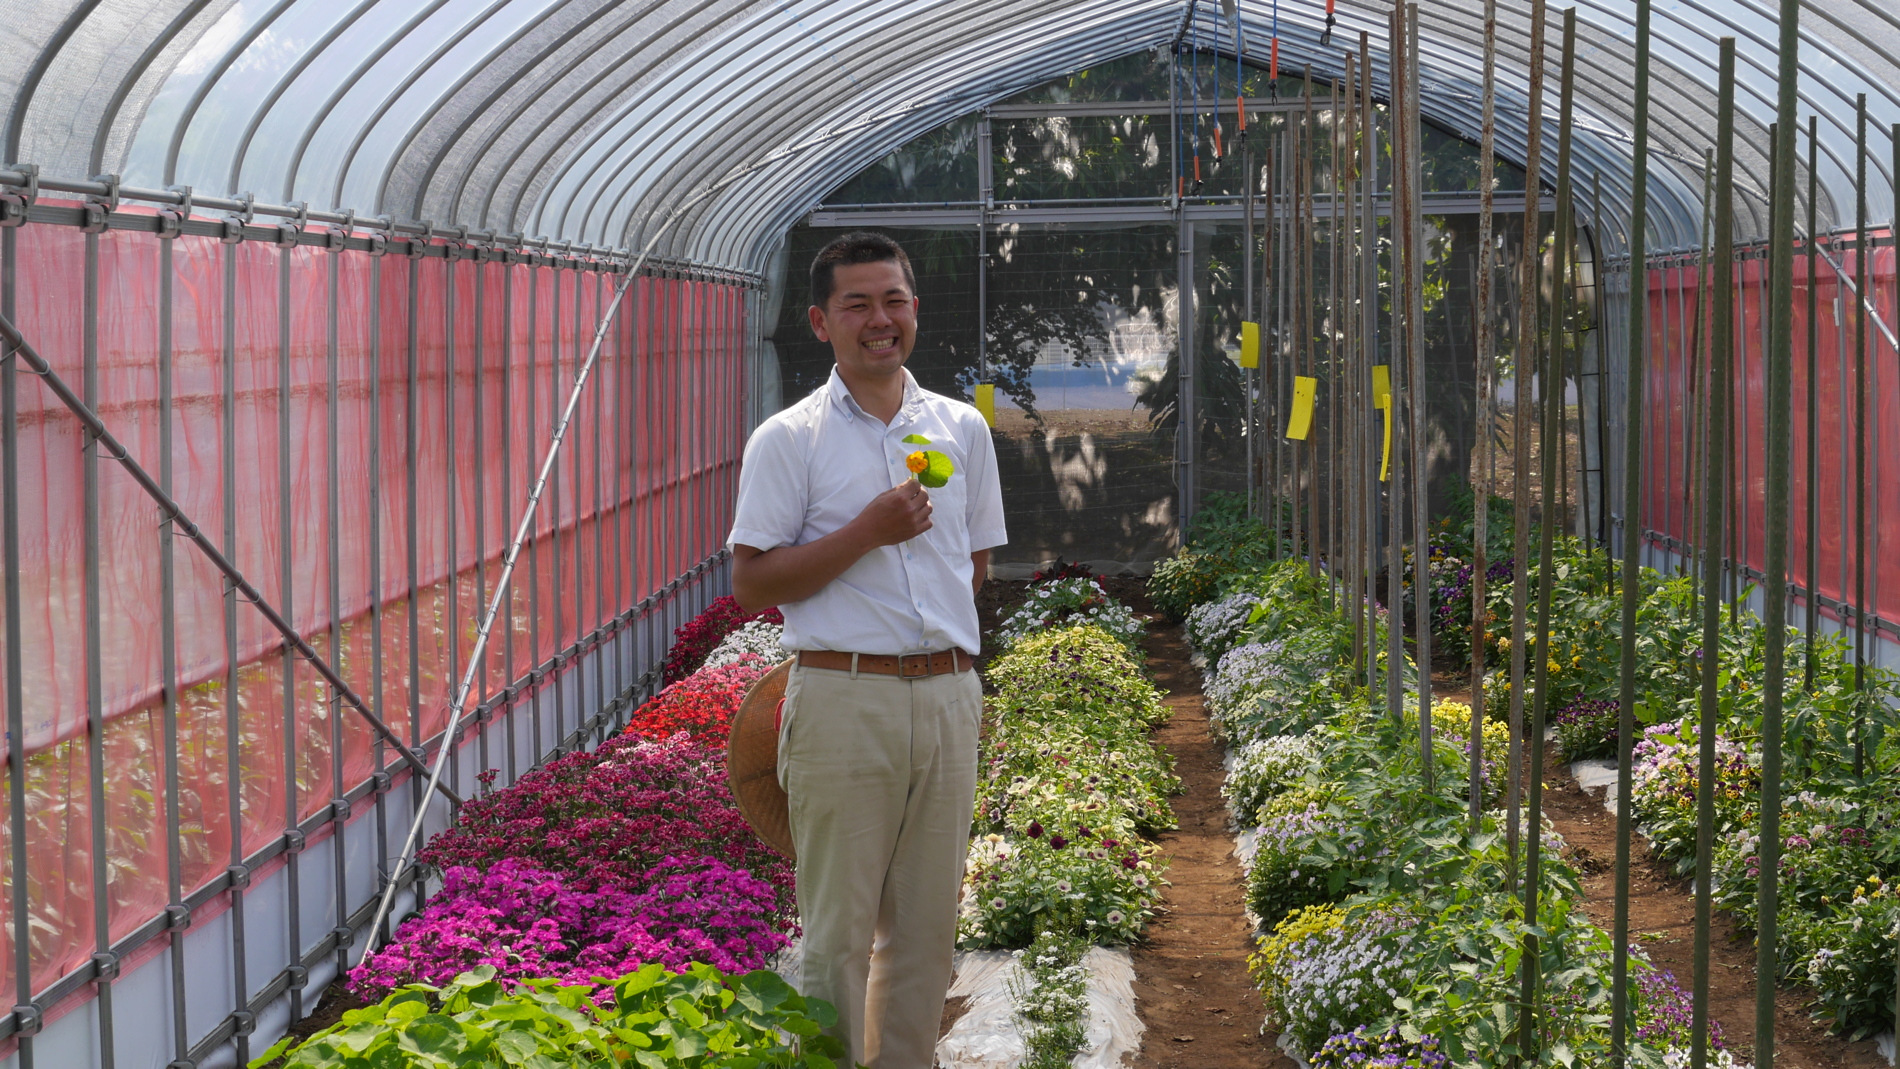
{"x":916,"y":462}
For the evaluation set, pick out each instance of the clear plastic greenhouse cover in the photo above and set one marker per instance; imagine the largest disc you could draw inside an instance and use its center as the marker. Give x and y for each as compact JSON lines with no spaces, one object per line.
{"x":447,"y":380}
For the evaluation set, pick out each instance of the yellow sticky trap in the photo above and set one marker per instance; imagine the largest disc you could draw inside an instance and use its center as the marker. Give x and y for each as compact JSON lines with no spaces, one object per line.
{"x":1250,"y":345}
{"x":1382,"y":400}
{"x":986,"y":401}
{"x":1302,"y":419}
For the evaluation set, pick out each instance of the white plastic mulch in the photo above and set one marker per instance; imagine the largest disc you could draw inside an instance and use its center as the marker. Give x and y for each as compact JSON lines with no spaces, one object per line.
{"x":987,"y":1036}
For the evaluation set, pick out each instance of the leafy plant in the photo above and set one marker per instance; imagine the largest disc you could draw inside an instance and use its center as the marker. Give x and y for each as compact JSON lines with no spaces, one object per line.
{"x":654,"y":1018}
{"x":1051,"y":998}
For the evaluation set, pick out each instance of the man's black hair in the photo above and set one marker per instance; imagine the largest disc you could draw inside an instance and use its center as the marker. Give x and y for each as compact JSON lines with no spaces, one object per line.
{"x":857,"y":247}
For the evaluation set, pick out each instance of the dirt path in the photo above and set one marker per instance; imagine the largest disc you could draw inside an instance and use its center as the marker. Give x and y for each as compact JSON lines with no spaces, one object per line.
{"x":1662,"y":921}
{"x":1191,"y":984}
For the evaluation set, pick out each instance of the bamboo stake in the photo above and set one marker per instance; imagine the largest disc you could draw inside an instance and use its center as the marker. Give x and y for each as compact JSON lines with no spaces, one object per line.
{"x":1368,"y":333}
{"x":1309,"y":228}
{"x":1521,"y":443}
{"x":1487,"y":362}
{"x":1551,"y":391}
{"x":1394,"y":498}
{"x":1415,"y":399}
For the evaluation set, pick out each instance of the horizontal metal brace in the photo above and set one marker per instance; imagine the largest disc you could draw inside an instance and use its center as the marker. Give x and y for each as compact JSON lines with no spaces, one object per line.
{"x":1080,"y":108}
{"x":537,"y":253}
{"x":1030,"y":213}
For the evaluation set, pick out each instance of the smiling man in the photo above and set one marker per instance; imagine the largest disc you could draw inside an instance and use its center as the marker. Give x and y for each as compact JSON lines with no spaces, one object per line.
{"x":877,"y":579}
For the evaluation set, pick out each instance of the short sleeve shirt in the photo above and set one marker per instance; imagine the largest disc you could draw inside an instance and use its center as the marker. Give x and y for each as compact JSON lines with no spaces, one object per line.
{"x":812,"y":468}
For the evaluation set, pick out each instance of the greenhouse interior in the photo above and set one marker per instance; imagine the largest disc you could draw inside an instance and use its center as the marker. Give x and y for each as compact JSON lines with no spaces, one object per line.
{"x":376,"y":382}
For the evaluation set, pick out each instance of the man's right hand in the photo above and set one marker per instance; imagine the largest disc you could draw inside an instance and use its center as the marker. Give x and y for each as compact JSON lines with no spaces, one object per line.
{"x":787,"y":574}
{"x":897,"y":515}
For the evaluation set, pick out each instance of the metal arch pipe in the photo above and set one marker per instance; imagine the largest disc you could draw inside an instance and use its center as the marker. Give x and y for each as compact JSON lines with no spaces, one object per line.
{"x":443,"y":99}
{"x":667,"y":183}
{"x":624,"y":185}
{"x":671,"y":95}
{"x":110,"y":116}
{"x":389,"y":99}
{"x":581,"y":56}
{"x":174,"y":513}
{"x":674,"y":106}
{"x":284,"y":81}
{"x":797,"y":193}
{"x":30,"y":85}
{"x":343,"y":88}
{"x":210,"y":81}
{"x":541,"y":164}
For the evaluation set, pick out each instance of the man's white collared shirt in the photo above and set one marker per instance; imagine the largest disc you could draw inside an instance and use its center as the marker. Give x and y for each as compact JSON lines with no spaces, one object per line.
{"x":812,"y":468}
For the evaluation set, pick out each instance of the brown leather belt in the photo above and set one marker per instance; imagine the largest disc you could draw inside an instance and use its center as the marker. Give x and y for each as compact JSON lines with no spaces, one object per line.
{"x":909,"y":665}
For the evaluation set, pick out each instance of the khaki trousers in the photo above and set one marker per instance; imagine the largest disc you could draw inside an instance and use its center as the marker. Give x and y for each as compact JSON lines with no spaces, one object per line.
{"x":881,"y":774}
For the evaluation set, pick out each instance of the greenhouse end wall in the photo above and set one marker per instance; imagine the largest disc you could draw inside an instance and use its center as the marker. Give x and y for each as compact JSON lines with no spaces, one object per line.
{"x":356,"y":424}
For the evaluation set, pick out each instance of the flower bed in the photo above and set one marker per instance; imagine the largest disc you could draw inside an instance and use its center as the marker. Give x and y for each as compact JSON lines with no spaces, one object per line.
{"x":1384,"y":928}
{"x":1069,"y":784}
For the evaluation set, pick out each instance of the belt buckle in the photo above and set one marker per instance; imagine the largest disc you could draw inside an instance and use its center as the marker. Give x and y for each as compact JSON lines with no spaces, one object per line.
{"x":905,"y":661}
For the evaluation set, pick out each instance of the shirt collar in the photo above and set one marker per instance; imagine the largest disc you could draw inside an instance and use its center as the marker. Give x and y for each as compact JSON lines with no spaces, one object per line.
{"x":840,"y":395}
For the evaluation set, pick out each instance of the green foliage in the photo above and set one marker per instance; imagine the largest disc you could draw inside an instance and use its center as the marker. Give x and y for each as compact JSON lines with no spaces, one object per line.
{"x":1051,"y":998}
{"x":657,"y":1020}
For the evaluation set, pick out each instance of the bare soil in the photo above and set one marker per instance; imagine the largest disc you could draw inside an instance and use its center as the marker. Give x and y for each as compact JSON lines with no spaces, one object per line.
{"x":1191,"y":984}
{"x":1662,"y":921}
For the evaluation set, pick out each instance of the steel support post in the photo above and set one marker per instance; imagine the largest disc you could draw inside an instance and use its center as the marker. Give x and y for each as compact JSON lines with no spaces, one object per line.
{"x":1722,"y":335}
{"x":339,"y":806}
{"x":1778,"y":373}
{"x":233,"y":708}
{"x":286,"y":580}
{"x":1621,"y":1010}
{"x":94,"y":657}
{"x":1861,"y":250}
{"x":24,"y":1009}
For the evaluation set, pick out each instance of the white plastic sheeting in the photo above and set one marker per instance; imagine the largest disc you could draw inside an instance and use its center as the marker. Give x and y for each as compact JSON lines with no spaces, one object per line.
{"x":987,"y":1035}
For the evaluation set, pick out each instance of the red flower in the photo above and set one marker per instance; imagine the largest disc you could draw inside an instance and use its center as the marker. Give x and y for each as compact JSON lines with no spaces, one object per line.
{"x":702,"y":704}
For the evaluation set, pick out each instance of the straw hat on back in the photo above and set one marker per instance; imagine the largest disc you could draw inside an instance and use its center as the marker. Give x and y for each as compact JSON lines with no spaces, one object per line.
{"x":752,"y":760}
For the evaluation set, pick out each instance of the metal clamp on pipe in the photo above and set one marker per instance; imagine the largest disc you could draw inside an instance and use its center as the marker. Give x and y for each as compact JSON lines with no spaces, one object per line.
{"x":234,"y":224}
{"x":419,"y":243}
{"x":171,"y":219}
{"x":240,"y":876}
{"x":105,"y":965}
{"x":378,"y":235}
{"x":290,"y":231}
{"x":99,"y":209}
{"x":338,"y":233}
{"x":14,"y":205}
